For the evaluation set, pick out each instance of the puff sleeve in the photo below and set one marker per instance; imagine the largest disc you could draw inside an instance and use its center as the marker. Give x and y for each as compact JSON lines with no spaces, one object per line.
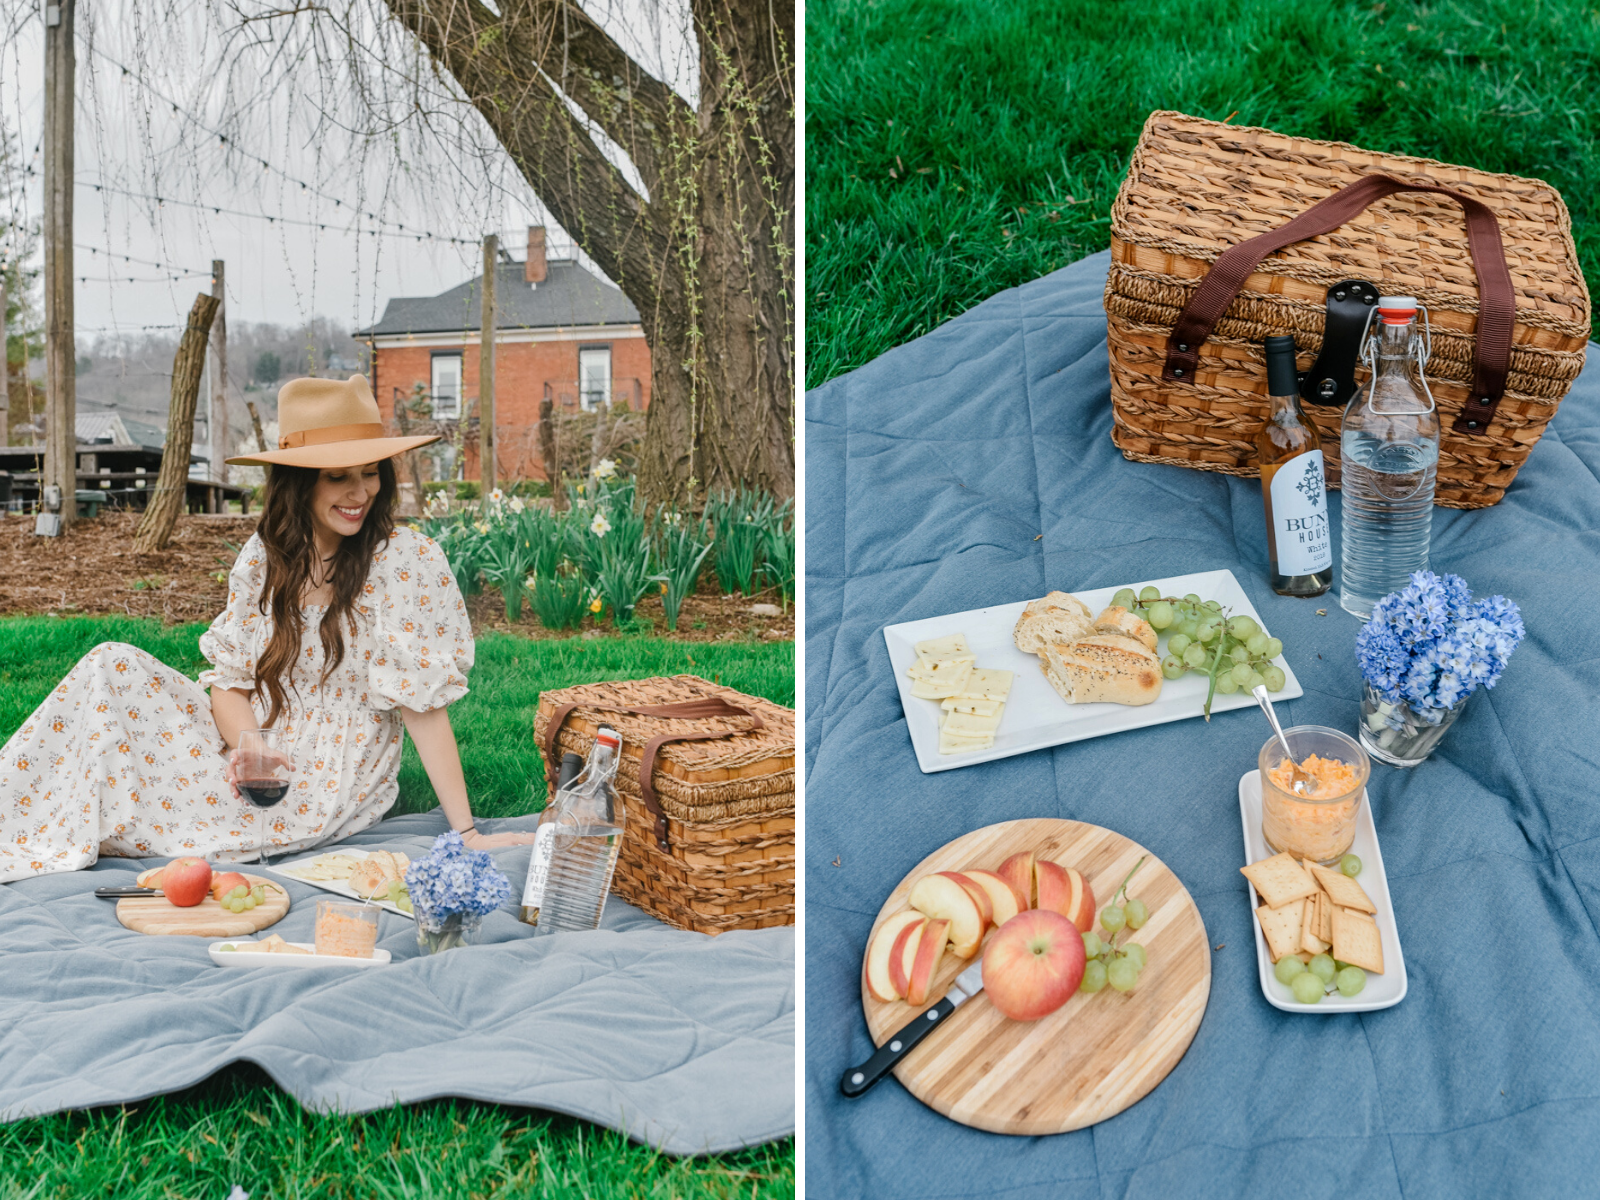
{"x":230,"y":644}
{"x":423,"y":639}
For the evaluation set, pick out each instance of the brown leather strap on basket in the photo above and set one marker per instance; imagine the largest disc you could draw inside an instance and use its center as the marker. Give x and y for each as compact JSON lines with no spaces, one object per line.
{"x":1497,"y":301}
{"x":684,"y":710}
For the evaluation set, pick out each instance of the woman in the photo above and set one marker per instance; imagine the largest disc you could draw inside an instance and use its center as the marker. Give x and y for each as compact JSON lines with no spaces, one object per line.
{"x":340,"y":630}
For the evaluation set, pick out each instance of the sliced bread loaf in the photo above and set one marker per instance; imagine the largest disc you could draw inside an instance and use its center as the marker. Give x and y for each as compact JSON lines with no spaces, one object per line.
{"x":1057,"y":617}
{"x":1110,"y":667}
{"x":1117,"y":619}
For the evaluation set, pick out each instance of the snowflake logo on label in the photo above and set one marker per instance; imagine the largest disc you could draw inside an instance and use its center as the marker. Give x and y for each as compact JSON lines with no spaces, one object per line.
{"x":1311,"y":482}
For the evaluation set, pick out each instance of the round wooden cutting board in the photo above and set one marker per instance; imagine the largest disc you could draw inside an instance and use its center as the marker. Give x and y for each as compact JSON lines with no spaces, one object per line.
{"x":157,"y":914}
{"x":1095,"y":1055}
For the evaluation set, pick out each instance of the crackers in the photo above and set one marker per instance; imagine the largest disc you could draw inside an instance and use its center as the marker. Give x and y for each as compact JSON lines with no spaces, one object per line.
{"x":1356,"y":940}
{"x":1310,"y":909}
{"x":972,"y":698}
{"x":1279,"y":879}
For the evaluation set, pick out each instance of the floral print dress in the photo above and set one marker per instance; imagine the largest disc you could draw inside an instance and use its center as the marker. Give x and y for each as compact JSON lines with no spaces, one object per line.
{"x":124,"y":759}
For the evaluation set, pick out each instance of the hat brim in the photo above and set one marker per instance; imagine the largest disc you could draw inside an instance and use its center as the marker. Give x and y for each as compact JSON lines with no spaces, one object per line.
{"x":333,"y":455}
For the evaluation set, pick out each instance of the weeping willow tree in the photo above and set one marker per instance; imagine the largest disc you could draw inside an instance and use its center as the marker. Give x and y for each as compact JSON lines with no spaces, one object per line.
{"x":660,"y":134}
{"x":701,"y":240}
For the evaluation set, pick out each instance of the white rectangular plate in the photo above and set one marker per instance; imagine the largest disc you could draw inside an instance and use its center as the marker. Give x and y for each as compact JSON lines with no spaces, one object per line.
{"x":1382,"y":991}
{"x":1036,"y":716}
{"x":337,"y":886}
{"x":257,"y":958}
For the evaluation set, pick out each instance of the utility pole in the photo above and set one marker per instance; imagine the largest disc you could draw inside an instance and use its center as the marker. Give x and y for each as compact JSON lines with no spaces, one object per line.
{"x":5,"y":364}
{"x":219,"y":378}
{"x":491,"y":244}
{"x":60,"y":355}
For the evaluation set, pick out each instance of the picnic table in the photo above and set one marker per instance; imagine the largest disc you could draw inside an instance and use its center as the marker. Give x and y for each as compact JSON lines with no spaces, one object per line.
{"x":974,"y":467}
{"x":125,"y":473}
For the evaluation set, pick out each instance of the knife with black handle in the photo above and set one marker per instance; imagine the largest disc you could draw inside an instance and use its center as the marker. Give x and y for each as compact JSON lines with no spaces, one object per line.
{"x":119,"y":893}
{"x":858,"y":1079}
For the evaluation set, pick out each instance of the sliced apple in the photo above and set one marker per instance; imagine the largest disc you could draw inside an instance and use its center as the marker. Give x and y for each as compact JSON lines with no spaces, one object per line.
{"x":940,"y":897}
{"x":1052,"y":888}
{"x":930,"y":949}
{"x":1080,"y":908}
{"x":903,"y":954}
{"x":1002,"y":899}
{"x":879,"y":982}
{"x":979,"y":896}
{"x":1018,"y":872}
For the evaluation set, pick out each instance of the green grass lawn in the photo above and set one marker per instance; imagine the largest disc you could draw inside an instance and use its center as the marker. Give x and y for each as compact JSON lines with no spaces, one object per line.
{"x":239,"y":1128}
{"x":956,"y":148}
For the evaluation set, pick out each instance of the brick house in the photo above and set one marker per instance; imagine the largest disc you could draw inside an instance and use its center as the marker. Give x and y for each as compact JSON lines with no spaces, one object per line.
{"x":560,"y":331}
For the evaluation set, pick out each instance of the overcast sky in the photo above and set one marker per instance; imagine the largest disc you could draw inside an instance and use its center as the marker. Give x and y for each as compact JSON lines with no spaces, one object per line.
{"x":130,"y":139}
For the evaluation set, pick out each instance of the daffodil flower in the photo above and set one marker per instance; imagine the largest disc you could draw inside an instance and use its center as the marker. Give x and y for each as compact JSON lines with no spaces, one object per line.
{"x":595,"y":606}
{"x":600,"y":526}
{"x":605,"y":469}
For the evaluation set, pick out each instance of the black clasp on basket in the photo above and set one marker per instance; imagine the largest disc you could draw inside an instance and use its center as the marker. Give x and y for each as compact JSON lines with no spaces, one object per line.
{"x":1332,"y":378}
{"x":661,"y":833}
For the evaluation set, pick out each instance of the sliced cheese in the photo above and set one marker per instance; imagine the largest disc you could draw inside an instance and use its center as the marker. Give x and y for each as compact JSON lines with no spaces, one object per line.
{"x":949,"y":646}
{"x":971,"y":724}
{"x":986,"y":683}
{"x":984,"y":708}
{"x":931,"y":670}
{"x":954,"y":744}
{"x":938,"y":687}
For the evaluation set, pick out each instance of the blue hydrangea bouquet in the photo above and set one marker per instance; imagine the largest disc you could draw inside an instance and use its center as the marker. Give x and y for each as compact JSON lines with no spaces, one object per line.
{"x":452,"y":890}
{"x":1427,"y":648}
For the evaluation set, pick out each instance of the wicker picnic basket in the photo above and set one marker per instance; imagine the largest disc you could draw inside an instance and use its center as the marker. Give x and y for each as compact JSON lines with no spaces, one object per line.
{"x":1213,"y":248}
{"x":710,"y":833}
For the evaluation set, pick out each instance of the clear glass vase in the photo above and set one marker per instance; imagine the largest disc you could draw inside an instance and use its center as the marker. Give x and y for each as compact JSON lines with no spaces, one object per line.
{"x":438,"y":932}
{"x":1399,"y":734}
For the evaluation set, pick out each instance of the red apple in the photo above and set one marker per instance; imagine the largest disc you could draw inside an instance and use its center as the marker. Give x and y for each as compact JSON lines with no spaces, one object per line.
{"x":979,"y":896}
{"x":1002,"y":899}
{"x":935,"y":933}
{"x":1017,"y":871}
{"x":903,"y":954}
{"x":879,"y":982}
{"x":1066,"y":891}
{"x":186,"y":881}
{"x":940,"y":896}
{"x":1080,"y":909}
{"x":1033,"y":965}
{"x":221,"y":885}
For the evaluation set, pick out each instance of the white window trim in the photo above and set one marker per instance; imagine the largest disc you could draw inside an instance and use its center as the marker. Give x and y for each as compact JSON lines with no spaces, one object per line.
{"x":440,"y":414}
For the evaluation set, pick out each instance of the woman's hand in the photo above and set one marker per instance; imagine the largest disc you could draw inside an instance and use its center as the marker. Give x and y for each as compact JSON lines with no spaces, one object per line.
{"x":473,"y":840}
{"x":272,"y":762}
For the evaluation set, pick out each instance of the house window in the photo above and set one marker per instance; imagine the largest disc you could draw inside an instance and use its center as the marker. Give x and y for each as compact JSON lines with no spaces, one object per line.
{"x":446,"y":387}
{"x":594,"y":377}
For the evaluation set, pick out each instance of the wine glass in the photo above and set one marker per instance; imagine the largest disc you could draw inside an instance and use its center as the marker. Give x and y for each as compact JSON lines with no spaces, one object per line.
{"x":263,"y":774}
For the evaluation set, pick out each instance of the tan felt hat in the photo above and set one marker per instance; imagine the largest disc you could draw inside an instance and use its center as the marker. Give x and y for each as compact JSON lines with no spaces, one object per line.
{"x":329,"y":424}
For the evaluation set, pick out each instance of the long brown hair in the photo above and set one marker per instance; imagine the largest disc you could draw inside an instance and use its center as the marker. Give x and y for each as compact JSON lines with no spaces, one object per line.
{"x":286,"y":533}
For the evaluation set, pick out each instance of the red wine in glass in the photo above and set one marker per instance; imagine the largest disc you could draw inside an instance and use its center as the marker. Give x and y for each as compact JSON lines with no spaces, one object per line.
{"x":263,"y":771}
{"x":263,"y":793}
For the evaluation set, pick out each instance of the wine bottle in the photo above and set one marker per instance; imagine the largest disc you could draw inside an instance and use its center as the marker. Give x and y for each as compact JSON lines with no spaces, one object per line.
{"x":1293,"y":486}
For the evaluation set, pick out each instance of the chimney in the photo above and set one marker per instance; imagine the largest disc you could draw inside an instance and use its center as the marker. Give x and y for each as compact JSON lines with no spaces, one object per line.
{"x":534,"y":269}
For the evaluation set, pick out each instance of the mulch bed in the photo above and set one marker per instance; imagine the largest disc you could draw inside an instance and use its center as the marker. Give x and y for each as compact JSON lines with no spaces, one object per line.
{"x":93,"y":569}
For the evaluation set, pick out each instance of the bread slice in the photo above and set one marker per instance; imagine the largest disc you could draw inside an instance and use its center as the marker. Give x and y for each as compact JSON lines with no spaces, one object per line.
{"x":1057,"y":617}
{"x":1105,"y":667}
{"x":1117,"y":619}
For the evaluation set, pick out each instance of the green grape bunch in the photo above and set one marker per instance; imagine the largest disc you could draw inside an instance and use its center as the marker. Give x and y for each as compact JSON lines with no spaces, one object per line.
{"x":1233,"y":652}
{"x":1107,"y":961}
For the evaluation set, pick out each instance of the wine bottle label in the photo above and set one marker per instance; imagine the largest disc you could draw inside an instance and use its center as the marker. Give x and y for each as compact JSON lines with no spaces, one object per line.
{"x":544,"y":844}
{"x":1300,"y":516}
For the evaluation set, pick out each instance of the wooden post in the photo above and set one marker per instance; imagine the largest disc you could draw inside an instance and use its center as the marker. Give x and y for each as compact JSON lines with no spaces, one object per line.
{"x":547,"y":447}
{"x":219,"y":378}
{"x":491,"y":245}
{"x":166,"y":502}
{"x":5,"y":364}
{"x":60,"y":356}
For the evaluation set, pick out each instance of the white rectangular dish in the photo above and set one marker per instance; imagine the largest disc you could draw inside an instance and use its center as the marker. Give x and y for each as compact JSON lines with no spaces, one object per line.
{"x":337,"y":886}
{"x":1382,"y":991}
{"x":257,"y":958}
{"x":1035,"y":715}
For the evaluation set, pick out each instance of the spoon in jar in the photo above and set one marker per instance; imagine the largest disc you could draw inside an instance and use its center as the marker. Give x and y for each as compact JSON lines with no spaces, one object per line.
{"x":1301,"y":783}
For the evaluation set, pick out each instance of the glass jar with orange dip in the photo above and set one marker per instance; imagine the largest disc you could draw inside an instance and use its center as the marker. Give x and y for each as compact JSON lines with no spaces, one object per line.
{"x":1321,"y":824}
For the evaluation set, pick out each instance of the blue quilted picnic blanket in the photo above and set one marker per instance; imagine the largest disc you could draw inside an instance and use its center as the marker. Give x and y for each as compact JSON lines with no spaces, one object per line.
{"x":680,"y":1040}
{"x":973,"y":467}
